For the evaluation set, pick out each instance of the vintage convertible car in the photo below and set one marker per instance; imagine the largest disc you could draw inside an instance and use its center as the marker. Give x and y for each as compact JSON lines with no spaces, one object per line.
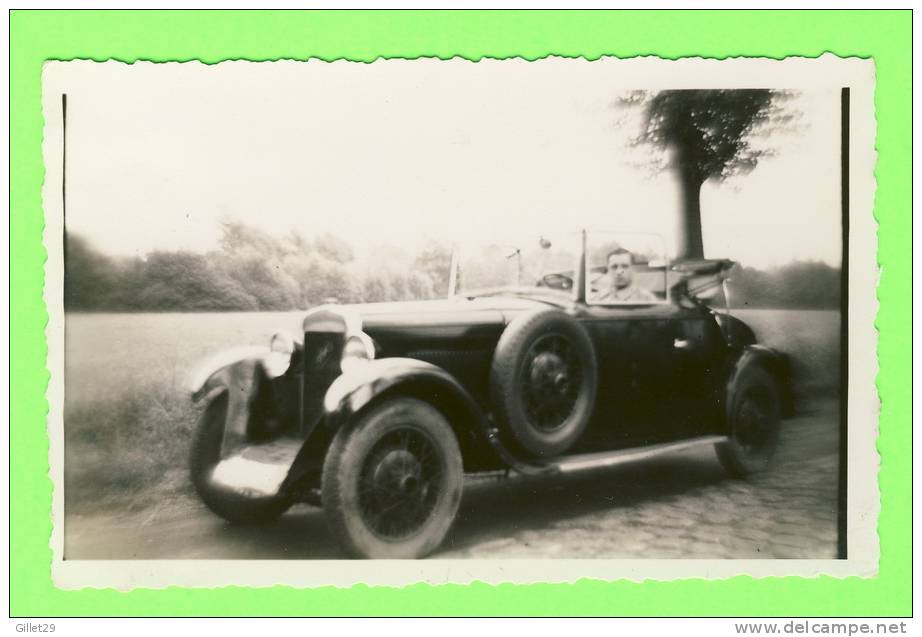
{"x":380,"y":410}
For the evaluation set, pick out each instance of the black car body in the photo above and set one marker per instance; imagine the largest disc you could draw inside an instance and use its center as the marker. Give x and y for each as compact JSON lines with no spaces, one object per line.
{"x":533,"y":380}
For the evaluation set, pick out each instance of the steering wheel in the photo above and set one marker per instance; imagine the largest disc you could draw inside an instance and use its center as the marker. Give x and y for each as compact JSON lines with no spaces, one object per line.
{"x":556,"y":281}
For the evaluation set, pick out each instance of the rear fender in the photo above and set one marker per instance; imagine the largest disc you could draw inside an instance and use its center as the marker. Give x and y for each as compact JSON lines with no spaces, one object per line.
{"x":772,"y":361}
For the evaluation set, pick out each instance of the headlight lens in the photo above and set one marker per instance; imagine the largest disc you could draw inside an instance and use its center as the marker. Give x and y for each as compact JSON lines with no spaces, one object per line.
{"x":357,"y":349}
{"x":282,"y":342}
{"x":281,"y":347}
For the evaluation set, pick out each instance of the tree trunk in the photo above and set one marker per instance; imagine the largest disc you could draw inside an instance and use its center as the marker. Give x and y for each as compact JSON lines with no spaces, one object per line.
{"x":690,"y":242}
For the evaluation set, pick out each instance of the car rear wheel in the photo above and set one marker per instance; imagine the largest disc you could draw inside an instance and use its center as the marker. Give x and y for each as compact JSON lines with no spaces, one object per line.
{"x":543,"y":382}
{"x":392,"y":481}
{"x":230,"y":504}
{"x":754,"y":423}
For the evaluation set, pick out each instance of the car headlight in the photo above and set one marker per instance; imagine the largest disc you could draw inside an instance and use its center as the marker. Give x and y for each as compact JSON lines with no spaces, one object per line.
{"x":357,"y":350}
{"x":282,"y":342}
{"x":278,"y":360}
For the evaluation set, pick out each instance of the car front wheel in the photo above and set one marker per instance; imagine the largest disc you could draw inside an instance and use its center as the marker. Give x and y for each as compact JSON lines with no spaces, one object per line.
{"x":392,"y":481}
{"x":754,"y":422}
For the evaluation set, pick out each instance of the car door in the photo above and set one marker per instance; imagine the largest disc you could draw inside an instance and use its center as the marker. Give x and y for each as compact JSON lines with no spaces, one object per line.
{"x":637,"y":359}
{"x":697,"y":358}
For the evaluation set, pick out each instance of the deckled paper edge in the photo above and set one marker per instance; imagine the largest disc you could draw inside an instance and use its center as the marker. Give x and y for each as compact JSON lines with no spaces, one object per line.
{"x":828,"y":71}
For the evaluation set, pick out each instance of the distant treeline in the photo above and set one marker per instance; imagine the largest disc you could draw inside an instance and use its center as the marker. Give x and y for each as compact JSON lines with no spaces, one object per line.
{"x":796,"y":285}
{"x":253,"y":271}
{"x":250,"y":271}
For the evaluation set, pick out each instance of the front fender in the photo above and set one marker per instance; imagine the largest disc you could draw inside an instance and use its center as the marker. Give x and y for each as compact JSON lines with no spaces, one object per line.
{"x":481,"y":447}
{"x":245,"y":375}
{"x":360,"y":388}
{"x":353,"y":391}
{"x":236,"y":365}
{"x":220,"y":370}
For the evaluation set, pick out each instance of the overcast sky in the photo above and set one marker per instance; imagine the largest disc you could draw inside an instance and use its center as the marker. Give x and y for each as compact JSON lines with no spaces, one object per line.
{"x":401,"y":151}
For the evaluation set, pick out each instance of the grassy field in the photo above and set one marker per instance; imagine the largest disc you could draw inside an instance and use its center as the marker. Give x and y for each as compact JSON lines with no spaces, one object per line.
{"x":128,"y":420}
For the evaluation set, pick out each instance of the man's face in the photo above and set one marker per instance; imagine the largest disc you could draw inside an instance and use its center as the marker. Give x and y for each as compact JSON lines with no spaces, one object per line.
{"x":619,"y":267}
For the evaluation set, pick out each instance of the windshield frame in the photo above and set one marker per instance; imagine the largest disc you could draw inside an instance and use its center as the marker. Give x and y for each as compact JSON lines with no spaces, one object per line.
{"x":580,"y":292}
{"x":574,"y":294}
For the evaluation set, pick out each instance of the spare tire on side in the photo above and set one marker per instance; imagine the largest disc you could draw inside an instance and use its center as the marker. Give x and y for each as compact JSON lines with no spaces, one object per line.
{"x":543,"y":382}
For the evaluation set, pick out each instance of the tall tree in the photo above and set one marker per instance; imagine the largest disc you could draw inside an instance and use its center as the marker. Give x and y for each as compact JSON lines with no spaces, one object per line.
{"x":709,"y":134}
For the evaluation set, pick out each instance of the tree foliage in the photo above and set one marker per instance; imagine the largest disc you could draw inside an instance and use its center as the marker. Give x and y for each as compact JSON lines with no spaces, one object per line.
{"x":250,"y":271}
{"x":709,"y":129}
{"x":709,"y":134}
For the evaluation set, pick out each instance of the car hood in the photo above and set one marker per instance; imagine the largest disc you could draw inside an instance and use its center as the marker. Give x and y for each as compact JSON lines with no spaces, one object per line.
{"x":492,"y":309}
{"x":453,"y":324}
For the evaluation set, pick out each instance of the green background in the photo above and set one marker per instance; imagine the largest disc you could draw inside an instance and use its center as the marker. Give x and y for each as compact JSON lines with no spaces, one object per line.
{"x":37,"y":36}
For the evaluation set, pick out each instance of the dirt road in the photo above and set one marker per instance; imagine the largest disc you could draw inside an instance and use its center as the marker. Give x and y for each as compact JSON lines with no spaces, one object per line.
{"x":680,"y":506}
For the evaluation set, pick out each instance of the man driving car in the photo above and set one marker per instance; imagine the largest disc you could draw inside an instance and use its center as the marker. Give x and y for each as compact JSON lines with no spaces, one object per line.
{"x":618,"y":284}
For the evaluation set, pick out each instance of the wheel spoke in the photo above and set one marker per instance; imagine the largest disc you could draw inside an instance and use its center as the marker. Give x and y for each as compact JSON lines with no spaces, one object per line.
{"x":398,"y":485}
{"x":552,"y":383}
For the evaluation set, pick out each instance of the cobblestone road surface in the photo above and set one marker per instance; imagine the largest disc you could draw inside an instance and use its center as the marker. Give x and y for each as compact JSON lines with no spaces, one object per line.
{"x":679,"y":506}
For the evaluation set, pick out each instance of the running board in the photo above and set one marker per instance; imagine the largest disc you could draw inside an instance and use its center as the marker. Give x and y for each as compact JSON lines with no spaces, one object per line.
{"x":582,"y":462}
{"x":260,"y":470}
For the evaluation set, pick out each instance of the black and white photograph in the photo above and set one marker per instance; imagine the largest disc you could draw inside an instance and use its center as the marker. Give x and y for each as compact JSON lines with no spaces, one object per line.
{"x":504,"y":320}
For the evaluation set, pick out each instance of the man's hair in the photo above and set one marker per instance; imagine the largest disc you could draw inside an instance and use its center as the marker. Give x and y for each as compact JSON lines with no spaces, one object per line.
{"x":617,"y":252}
